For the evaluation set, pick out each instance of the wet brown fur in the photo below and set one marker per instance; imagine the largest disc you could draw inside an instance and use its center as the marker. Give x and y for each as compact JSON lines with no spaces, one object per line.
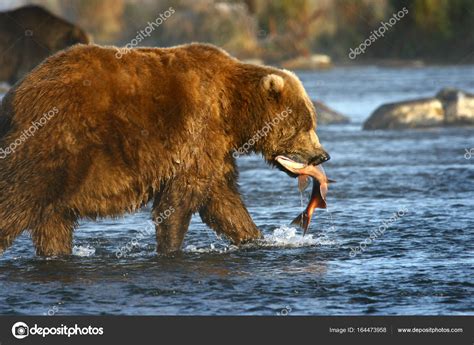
{"x":158,"y":124}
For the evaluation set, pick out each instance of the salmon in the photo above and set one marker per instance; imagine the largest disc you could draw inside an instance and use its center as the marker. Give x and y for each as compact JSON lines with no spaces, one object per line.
{"x":318,"y":193}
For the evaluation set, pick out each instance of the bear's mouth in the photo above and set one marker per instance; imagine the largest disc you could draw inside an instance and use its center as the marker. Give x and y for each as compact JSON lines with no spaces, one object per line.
{"x":295,"y":168}
{"x":290,"y":164}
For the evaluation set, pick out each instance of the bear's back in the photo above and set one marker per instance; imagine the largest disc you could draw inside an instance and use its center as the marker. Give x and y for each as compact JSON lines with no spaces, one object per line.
{"x":89,"y":80}
{"x":81,"y":58}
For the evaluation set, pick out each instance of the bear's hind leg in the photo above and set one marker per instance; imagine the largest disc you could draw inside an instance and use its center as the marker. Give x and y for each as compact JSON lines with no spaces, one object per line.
{"x":225,"y":212}
{"x":53,"y":235}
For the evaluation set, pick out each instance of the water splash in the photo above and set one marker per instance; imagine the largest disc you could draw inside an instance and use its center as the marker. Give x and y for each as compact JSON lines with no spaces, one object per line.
{"x":288,"y":237}
{"x":83,"y":251}
{"x":282,"y":237}
{"x":212,"y":248}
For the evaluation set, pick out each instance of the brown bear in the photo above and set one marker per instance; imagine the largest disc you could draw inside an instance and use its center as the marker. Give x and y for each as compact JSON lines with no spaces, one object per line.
{"x":89,"y":135}
{"x":28,"y":35}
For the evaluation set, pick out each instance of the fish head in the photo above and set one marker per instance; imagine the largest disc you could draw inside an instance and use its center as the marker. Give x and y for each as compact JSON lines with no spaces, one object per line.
{"x":304,"y":148}
{"x":306,"y":151}
{"x":294,"y":168}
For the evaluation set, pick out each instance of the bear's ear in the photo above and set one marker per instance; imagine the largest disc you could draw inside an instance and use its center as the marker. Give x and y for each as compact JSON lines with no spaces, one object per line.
{"x":273,"y":84}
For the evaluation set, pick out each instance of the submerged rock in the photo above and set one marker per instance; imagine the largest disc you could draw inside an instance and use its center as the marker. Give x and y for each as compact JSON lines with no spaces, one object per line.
{"x":327,"y":115}
{"x":449,"y":107}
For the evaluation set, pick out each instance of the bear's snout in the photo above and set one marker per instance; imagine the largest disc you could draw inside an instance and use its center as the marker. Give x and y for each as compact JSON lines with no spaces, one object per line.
{"x":320,"y":158}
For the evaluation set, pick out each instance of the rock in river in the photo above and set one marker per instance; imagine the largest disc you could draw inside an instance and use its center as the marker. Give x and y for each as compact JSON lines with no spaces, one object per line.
{"x":449,"y":107}
{"x":326,"y":115}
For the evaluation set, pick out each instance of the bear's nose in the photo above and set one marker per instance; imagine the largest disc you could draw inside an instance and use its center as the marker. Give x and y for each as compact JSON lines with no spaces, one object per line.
{"x":320,"y":158}
{"x":325,"y":157}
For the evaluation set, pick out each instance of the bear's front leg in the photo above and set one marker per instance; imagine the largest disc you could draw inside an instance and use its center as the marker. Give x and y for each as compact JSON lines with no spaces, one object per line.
{"x":225,"y":212}
{"x":171,"y":215}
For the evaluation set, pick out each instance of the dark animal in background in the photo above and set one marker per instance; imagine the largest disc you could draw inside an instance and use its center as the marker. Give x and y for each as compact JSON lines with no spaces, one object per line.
{"x":30,"y":34}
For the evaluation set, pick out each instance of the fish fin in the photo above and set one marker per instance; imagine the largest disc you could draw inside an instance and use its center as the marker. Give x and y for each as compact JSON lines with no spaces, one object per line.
{"x":323,"y":189}
{"x":320,"y":199}
{"x":302,"y":221}
{"x":303,"y":182}
{"x":331,"y":181}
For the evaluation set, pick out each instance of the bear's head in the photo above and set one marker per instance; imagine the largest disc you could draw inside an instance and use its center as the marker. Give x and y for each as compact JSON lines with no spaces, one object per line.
{"x":286,"y":120}
{"x":68,"y":37}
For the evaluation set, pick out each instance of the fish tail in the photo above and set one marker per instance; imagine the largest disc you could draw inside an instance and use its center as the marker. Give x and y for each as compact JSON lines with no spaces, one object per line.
{"x":302,"y":221}
{"x":298,"y":221}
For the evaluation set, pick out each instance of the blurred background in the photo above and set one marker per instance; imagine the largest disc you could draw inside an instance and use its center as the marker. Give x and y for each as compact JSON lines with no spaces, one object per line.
{"x":433,"y":31}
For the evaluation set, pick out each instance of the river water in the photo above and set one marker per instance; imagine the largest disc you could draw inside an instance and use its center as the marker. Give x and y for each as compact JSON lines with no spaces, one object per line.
{"x":413,"y":189}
